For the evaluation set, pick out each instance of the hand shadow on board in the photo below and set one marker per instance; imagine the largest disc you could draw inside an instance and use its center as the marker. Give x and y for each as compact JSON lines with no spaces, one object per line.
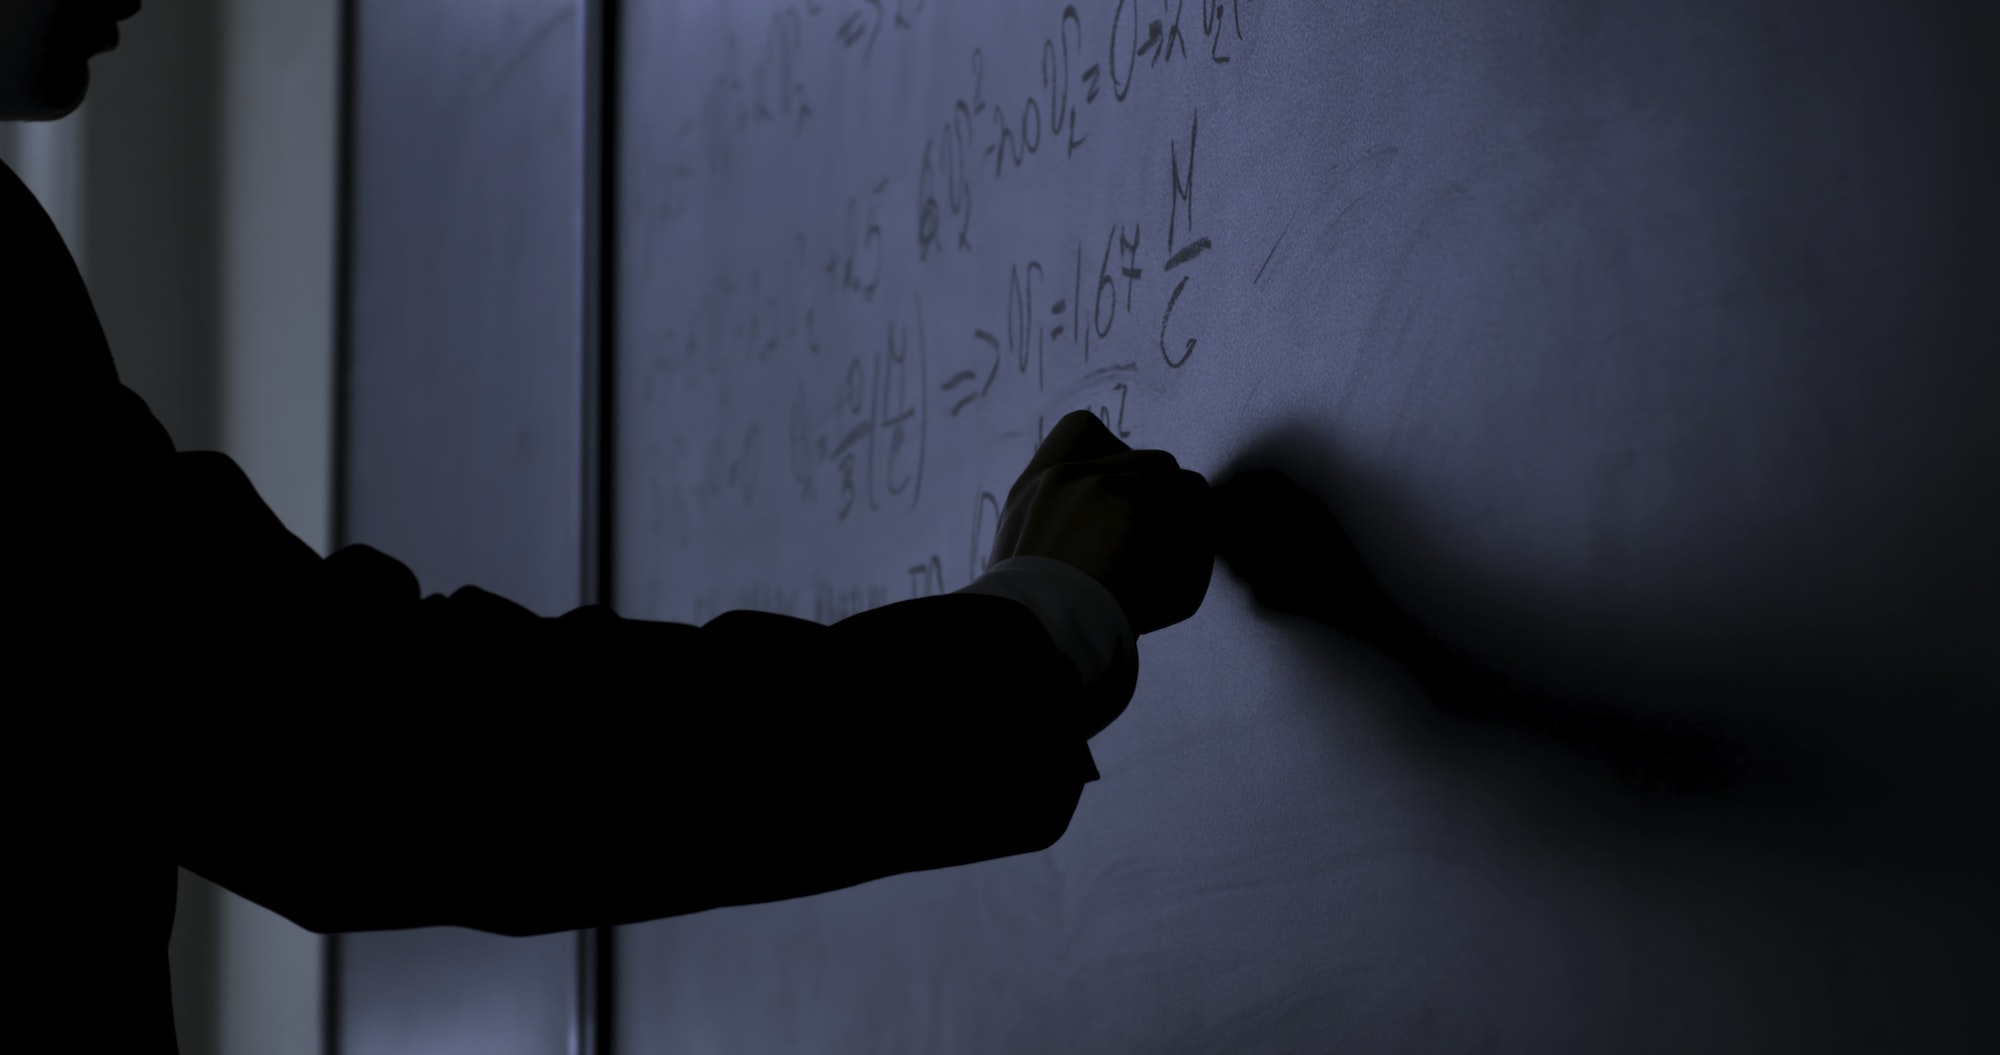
{"x":1278,"y":531}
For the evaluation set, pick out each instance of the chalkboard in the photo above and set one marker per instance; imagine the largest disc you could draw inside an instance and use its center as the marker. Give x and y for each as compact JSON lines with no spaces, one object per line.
{"x":1645,"y":354}
{"x":463,"y":377}
{"x":463,"y":418}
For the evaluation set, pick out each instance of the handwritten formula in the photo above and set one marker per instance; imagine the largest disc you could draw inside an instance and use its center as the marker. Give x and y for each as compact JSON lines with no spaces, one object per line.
{"x":870,"y":250}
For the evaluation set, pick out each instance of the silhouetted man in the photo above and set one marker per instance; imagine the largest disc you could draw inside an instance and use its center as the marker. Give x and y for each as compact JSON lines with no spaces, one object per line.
{"x":203,"y":690}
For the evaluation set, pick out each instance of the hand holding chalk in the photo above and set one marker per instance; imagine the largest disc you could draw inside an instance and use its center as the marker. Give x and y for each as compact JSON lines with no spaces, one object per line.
{"x":1135,"y":520}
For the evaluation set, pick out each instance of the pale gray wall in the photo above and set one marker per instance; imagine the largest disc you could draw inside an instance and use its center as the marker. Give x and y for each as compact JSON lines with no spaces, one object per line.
{"x":278,"y":178}
{"x":150,"y":199}
{"x":48,"y":156}
{"x":196,"y":188}
{"x":277,"y":168}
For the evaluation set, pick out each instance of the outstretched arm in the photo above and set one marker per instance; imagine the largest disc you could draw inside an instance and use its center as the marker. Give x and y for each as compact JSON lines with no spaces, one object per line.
{"x":486,"y":768}
{"x":315,"y":736}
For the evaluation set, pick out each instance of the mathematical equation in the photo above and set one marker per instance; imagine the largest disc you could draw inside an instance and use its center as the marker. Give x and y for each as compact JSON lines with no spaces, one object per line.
{"x":980,"y":130}
{"x":882,"y":346}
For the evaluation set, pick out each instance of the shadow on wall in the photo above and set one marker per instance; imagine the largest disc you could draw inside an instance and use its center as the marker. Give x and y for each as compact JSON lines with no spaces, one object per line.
{"x":1750,"y":756}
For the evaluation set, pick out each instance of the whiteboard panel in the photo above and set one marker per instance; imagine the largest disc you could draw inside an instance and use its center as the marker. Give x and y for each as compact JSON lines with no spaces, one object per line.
{"x":463,"y":360}
{"x":1637,"y":347}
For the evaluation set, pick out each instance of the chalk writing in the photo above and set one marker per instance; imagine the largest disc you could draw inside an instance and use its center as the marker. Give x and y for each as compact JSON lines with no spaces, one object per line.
{"x":793,"y":381}
{"x":832,"y":603}
{"x":1007,"y":134}
{"x":874,"y":440}
{"x":757,"y":595}
{"x":1183,"y":196}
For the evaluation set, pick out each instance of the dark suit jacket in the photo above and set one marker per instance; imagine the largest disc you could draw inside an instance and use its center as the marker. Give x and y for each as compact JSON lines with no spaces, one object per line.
{"x":198,"y":688}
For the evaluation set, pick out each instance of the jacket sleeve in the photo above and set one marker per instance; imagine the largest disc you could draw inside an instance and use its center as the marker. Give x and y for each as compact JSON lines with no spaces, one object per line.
{"x":317,"y":737}
{"x":460,"y":761}
{"x":1084,"y":619}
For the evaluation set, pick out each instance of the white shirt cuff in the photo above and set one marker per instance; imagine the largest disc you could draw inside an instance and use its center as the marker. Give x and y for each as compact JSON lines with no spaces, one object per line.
{"x":1083,"y":618}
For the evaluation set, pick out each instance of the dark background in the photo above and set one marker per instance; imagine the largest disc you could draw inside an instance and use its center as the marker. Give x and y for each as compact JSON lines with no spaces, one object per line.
{"x":1634,"y":366}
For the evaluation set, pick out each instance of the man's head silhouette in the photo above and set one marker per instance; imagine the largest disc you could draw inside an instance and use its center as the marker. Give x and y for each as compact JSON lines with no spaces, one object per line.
{"x":45,"y":52}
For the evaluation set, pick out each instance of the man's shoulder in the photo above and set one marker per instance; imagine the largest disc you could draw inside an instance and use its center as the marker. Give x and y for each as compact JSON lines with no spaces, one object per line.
{"x":47,"y":322}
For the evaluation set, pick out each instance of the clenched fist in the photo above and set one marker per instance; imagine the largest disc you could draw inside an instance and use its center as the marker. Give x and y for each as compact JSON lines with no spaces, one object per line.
{"x":1135,"y":520}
